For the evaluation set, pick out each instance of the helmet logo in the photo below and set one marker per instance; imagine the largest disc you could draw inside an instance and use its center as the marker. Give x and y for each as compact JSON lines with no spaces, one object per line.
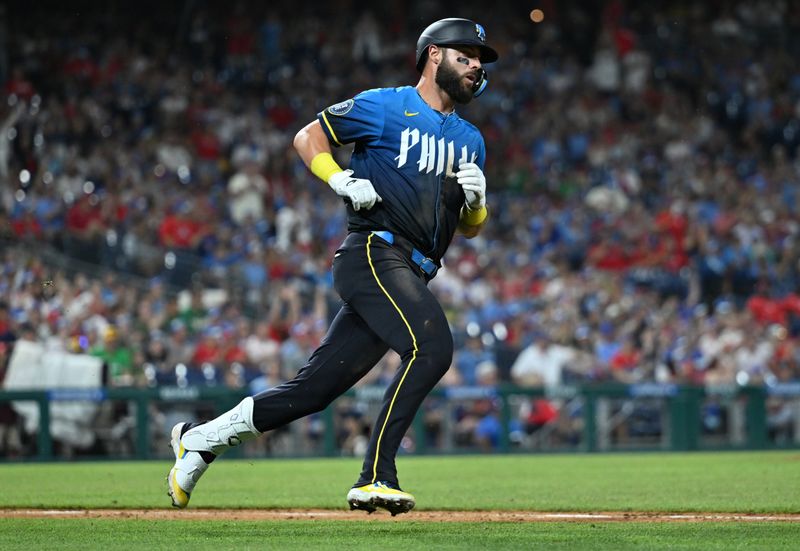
{"x":481,"y":32}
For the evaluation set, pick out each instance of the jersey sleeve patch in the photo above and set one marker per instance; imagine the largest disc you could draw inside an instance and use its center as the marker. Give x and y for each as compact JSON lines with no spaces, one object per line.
{"x":341,"y":108}
{"x":359,"y":119}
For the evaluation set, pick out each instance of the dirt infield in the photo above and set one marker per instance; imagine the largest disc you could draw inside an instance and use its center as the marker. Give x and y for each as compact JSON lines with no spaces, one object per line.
{"x":415,"y":516}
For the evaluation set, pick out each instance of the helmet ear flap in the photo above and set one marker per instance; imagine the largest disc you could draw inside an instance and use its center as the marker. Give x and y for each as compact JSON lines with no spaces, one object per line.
{"x":423,"y":57}
{"x":481,"y":83}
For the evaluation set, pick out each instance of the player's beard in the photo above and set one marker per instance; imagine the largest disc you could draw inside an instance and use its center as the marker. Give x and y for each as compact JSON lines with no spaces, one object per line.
{"x":449,"y":80}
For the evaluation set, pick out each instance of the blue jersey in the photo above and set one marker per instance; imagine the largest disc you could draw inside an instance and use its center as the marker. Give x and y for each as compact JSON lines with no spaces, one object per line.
{"x":410,"y":152}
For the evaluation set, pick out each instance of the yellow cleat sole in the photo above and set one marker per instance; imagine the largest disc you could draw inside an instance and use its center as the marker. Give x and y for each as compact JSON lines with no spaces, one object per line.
{"x":180,"y":499}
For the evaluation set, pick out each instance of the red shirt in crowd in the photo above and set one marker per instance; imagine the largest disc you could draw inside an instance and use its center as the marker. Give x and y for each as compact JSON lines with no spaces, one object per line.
{"x":82,"y":217}
{"x":206,"y":145}
{"x":27,"y":226}
{"x":609,"y":256}
{"x":19,"y":86}
{"x":624,"y":359}
{"x":207,"y":351}
{"x":178,"y":231}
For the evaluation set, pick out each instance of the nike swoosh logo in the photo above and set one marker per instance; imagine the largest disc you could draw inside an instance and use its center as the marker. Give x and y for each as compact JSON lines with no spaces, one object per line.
{"x":411,"y":114}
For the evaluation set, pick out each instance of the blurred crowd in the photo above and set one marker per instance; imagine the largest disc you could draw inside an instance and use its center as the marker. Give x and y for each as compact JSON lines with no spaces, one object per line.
{"x":643,"y":183}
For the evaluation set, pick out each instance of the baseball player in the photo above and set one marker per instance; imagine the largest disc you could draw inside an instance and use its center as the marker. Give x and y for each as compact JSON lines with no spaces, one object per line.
{"x":415,"y":178}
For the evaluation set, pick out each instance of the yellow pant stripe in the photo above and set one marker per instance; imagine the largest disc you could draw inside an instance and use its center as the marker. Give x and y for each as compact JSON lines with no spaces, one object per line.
{"x":333,"y":134}
{"x":408,"y":367}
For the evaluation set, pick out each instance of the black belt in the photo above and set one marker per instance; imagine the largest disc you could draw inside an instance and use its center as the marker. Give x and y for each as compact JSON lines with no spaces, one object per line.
{"x":425,"y":264}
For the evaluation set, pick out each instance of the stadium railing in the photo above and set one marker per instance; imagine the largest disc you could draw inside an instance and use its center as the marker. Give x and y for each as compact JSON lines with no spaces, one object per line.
{"x":682,"y":413}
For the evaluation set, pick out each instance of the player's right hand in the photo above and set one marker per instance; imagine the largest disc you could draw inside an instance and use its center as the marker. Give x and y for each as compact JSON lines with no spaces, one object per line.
{"x":359,"y":190}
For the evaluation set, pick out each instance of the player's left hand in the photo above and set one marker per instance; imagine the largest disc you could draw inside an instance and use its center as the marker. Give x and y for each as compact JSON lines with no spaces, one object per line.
{"x":473,"y":182}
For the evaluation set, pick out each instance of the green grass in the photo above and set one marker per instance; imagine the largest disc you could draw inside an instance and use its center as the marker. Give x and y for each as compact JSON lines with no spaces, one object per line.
{"x":111,"y":534}
{"x":754,"y":482}
{"x":742,"y":482}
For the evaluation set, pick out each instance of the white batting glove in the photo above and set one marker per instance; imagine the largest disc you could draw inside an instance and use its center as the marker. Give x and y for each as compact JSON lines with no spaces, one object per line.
{"x":358,"y":190}
{"x":473,"y":182}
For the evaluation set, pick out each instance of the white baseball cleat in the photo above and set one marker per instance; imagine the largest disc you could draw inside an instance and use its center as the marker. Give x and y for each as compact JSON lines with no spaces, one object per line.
{"x":380,"y":494}
{"x":188,"y":469}
{"x":214,"y":437}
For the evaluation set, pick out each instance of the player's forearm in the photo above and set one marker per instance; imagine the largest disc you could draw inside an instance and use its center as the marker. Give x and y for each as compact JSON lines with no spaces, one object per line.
{"x":310,"y":141}
{"x":313,"y":147}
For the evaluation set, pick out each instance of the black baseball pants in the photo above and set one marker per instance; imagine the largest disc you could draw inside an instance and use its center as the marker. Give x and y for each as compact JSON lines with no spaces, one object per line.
{"x":387,"y":304}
